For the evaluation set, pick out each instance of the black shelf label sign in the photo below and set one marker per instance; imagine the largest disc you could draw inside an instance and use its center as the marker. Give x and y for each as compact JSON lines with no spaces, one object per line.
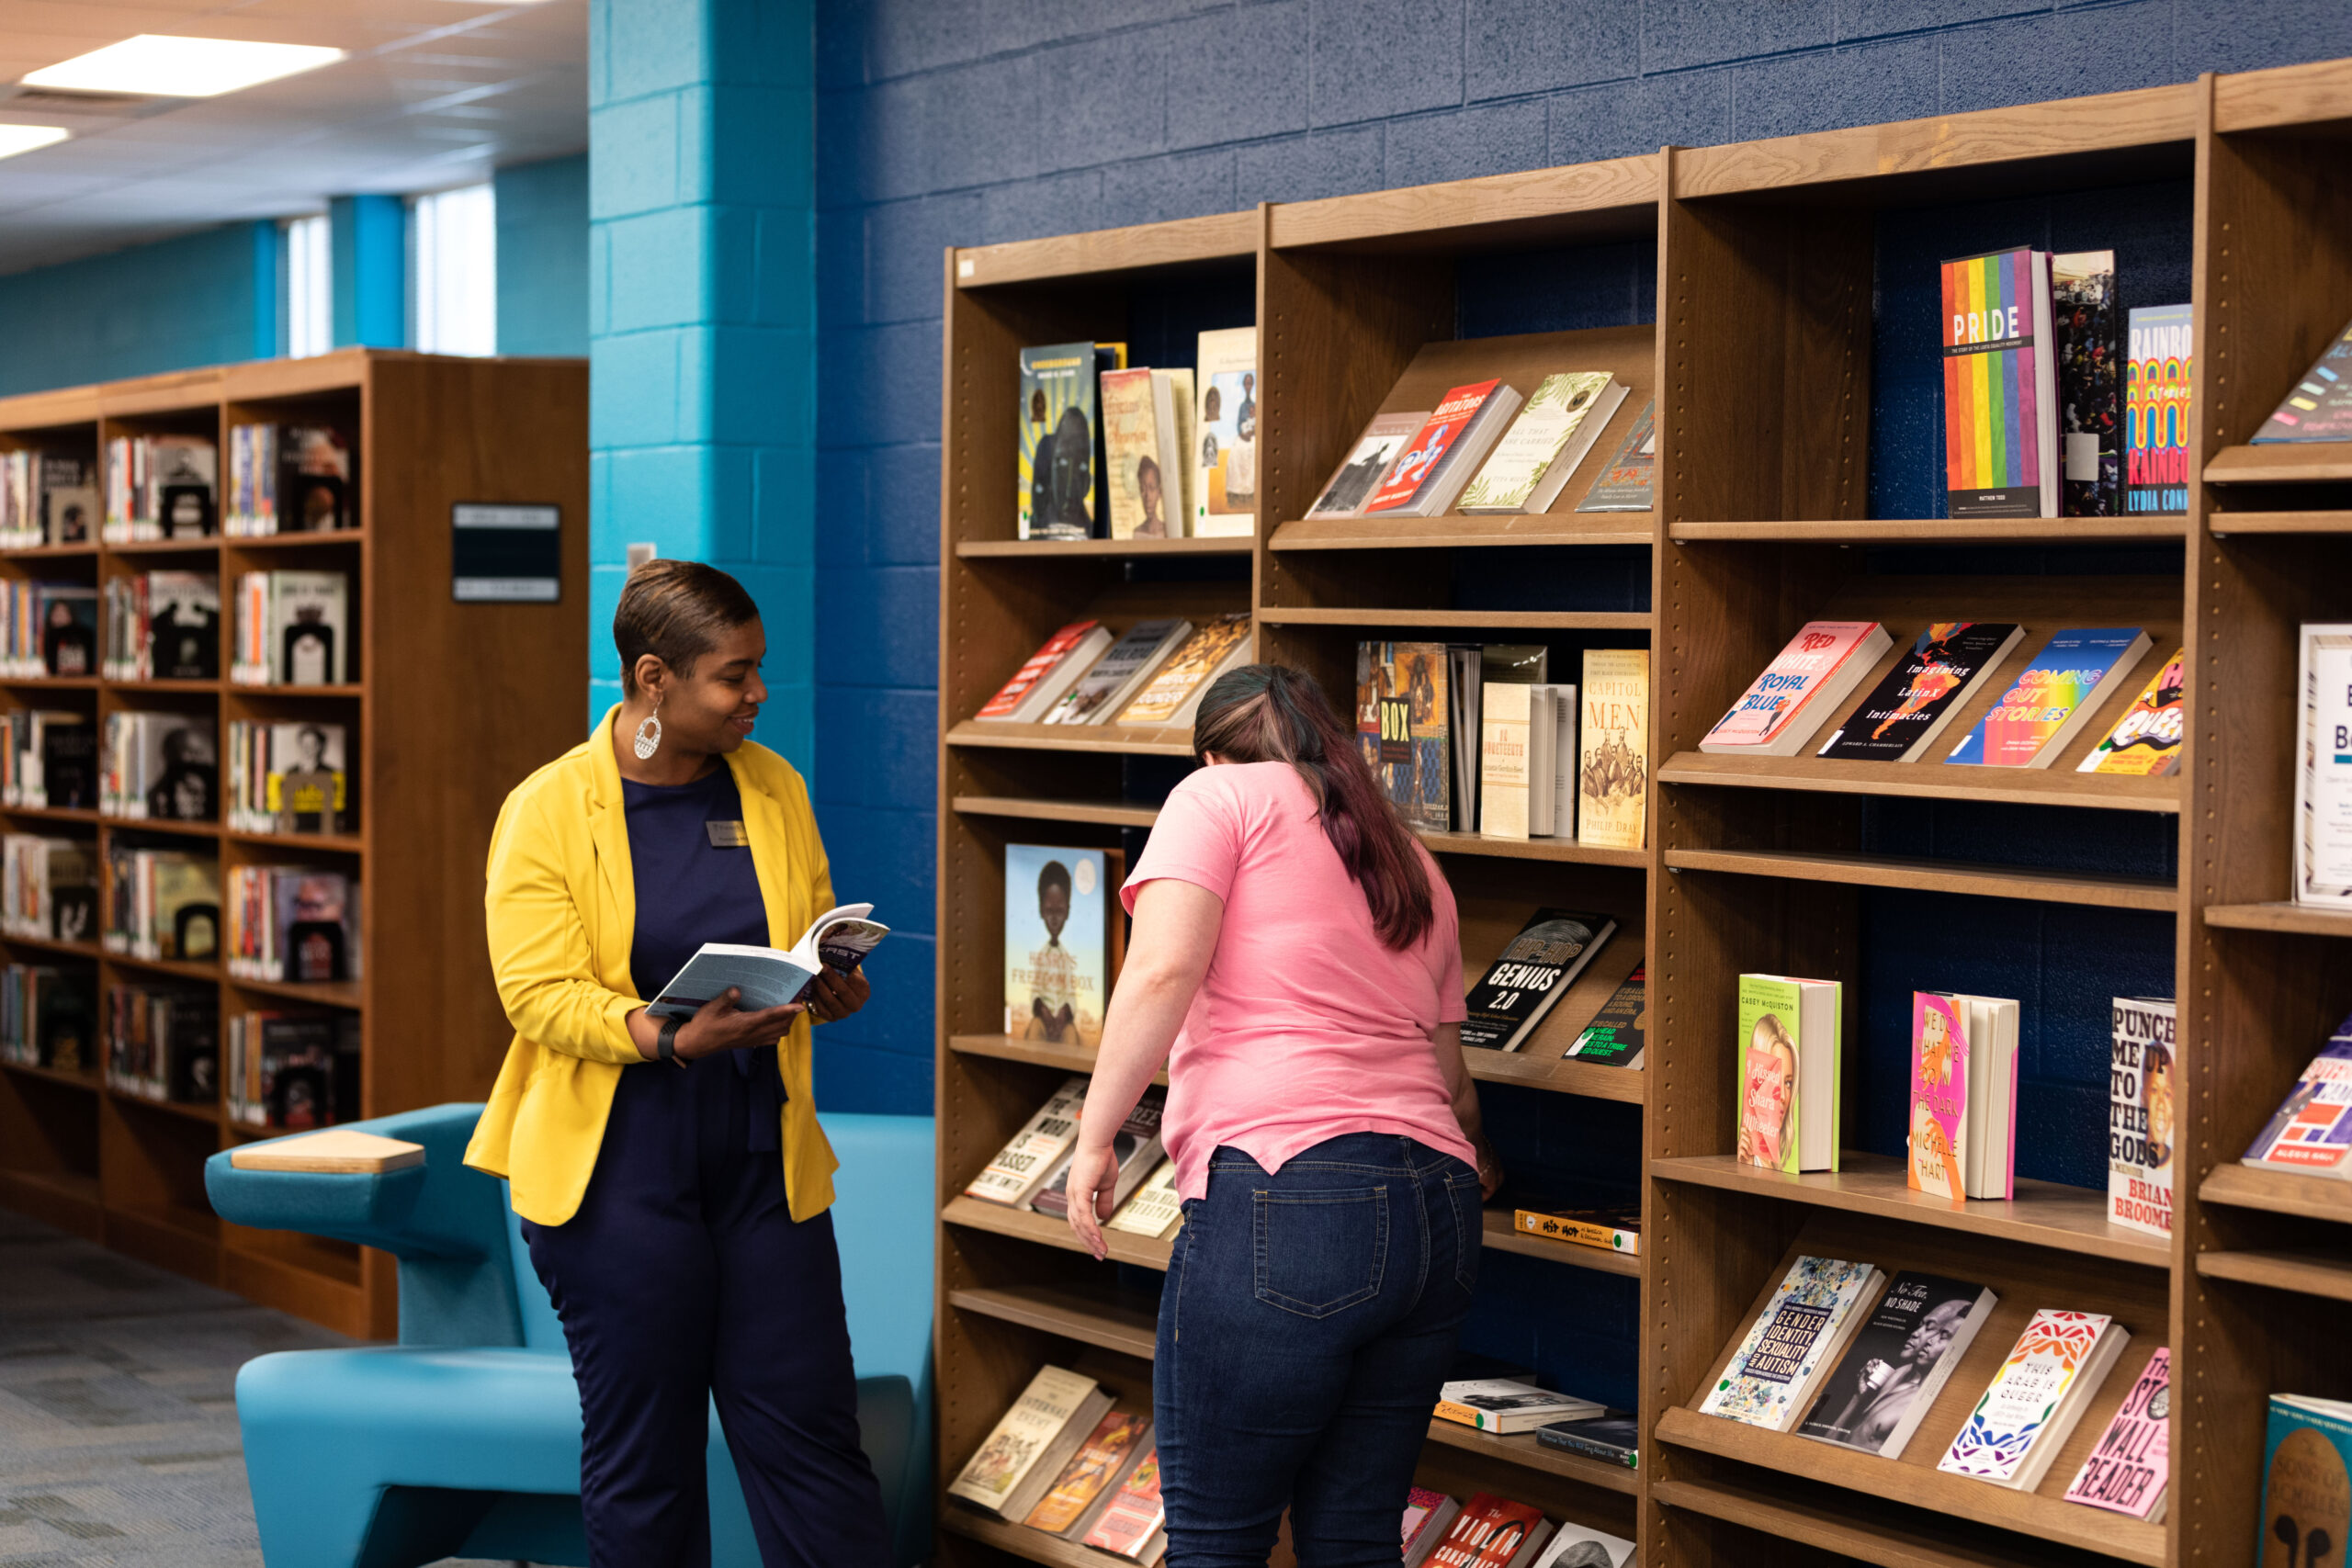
{"x":505,"y":553}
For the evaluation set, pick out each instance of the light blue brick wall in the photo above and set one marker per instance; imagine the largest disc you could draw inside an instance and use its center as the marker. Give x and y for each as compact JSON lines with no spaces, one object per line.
{"x":543,"y":257}
{"x":369,"y":270}
{"x":203,"y":298}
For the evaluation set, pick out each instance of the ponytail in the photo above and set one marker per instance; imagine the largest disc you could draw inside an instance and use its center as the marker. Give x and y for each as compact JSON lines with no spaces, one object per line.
{"x":1270,"y":713}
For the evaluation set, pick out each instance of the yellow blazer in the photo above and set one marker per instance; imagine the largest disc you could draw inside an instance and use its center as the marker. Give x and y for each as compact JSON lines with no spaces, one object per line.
{"x":562,"y":910}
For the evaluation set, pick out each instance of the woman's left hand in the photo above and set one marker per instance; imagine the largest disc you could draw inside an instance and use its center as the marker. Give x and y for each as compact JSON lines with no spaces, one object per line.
{"x":1093,"y":1182}
{"x":834,"y":995}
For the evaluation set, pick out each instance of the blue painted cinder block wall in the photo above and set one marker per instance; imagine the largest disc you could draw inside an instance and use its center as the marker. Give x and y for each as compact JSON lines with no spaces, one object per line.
{"x":543,"y":257}
{"x":202,"y":299}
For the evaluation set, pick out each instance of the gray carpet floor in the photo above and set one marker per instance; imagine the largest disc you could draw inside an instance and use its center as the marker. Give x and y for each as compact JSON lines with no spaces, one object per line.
{"x":118,"y":1411}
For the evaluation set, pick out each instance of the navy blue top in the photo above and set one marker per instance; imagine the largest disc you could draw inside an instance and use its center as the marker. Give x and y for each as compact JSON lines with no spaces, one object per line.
{"x":690,"y":892}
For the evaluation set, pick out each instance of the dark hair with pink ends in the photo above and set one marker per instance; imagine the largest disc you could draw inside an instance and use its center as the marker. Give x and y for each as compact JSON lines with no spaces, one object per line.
{"x":1270,"y":713}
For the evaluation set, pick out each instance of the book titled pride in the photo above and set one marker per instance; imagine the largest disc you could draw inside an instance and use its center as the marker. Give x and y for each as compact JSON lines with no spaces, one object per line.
{"x":1962,"y":1123}
{"x":771,"y":977}
{"x":2024,"y":1416}
{"x":1794,"y":696}
{"x":2000,"y":387}
{"x":2053,"y":697}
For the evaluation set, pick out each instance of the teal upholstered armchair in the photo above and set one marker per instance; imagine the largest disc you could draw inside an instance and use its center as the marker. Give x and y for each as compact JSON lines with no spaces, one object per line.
{"x":464,"y":1440}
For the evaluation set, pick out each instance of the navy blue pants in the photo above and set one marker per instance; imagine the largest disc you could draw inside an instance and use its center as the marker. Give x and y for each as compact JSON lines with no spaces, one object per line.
{"x":1308,"y":1322}
{"x":683,"y":1276}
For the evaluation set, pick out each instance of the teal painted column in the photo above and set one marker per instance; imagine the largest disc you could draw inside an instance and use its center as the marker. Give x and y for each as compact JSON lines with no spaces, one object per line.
{"x":368,"y":239}
{"x":702,"y":318}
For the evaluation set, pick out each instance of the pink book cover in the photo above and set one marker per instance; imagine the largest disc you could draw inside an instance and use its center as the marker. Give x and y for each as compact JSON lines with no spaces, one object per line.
{"x":1780,"y":692}
{"x":1938,"y":1120}
{"x":2126,"y":1471}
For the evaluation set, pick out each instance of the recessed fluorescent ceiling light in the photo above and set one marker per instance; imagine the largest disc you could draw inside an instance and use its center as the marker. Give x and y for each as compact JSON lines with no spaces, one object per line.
{"x":15,"y":139}
{"x":181,"y":67}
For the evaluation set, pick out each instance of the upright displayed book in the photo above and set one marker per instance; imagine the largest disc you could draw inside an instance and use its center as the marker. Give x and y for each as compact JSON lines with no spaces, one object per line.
{"x":1522,"y":986}
{"x":1615,"y":1037}
{"x":2323,"y":826}
{"x":1053,"y":670}
{"x":1021,"y":1168}
{"x":1144,"y":447}
{"x":2051,"y":698}
{"x":2139,"y":1122}
{"x":1470,"y":667}
{"x":1794,"y":696}
{"x":1225,"y":432}
{"x":292,"y":628}
{"x":2000,"y":387}
{"x":2319,"y":406}
{"x":1351,"y":484}
{"x":1402,"y":723}
{"x":291,"y":1069}
{"x":1612,"y":748}
{"x":1024,"y":1454}
{"x":1624,"y":482}
{"x":160,"y":767}
{"x":1898,"y":1361}
{"x":1551,"y":761}
{"x":1173,"y":692}
{"x":1438,"y":462}
{"x":2087,"y":323}
{"x":1058,"y":908}
{"x":1508,"y":741}
{"x":1115,"y":677}
{"x":1493,"y":1532}
{"x":2311,"y":1132}
{"x":2156,"y":382}
{"x":1057,"y":425}
{"x":1962,"y":1123}
{"x":1788,"y":1088}
{"x":160,"y":486}
{"x":1135,"y":1147}
{"x":1908,"y":710}
{"x":2055,"y":1368}
{"x":1801,"y":1329}
{"x":2306,"y":1483}
{"x":1086,"y":1474}
{"x":288,"y":778}
{"x":2127,"y":1472}
{"x":2145,"y":742}
{"x":1531,"y":465}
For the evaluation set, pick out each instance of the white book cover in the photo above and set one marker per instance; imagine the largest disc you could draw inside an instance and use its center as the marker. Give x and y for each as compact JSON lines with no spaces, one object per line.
{"x":1801,"y":1329}
{"x":2034,"y":1402}
{"x":1366,"y":464}
{"x":1173,"y":406}
{"x":1225,"y":435}
{"x":1579,"y":1546}
{"x":770,"y":977}
{"x":1051,"y":1402}
{"x":2324,"y":768}
{"x":1506,"y":1406}
{"x":1154,"y":1208}
{"x":1022,"y":1166}
{"x":2140,"y":1127}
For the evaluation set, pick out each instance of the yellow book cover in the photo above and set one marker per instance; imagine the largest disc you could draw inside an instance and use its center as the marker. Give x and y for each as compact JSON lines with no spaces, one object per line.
{"x":1613,"y":748}
{"x":1163,"y":697}
{"x":1131,"y":448}
{"x":1614,"y":1230}
{"x":1460,"y":1415}
{"x":2146,"y":740}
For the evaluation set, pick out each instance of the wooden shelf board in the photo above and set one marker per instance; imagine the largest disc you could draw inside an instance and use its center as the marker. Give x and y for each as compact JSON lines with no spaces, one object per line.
{"x":1109,"y":738}
{"x":1038,"y":1053}
{"x":53,"y":813}
{"x":1934,"y":781}
{"x":2289,"y":96}
{"x":50,"y":944}
{"x":161,"y":546}
{"x":1529,"y":207}
{"x":2073,"y":1219}
{"x":50,"y":682}
{"x":1464,"y":531}
{"x":49,"y":552}
{"x":2226,"y":523}
{"x":1526,"y":1450}
{"x":208,"y":1114}
{"x":1142,"y":247}
{"x":2300,"y":919}
{"x":205,"y":973}
{"x":339,"y":370}
{"x":138,"y":688}
{"x":1027,"y":1225}
{"x":1105,"y":813}
{"x":2281,"y":463}
{"x":1937,"y":530}
{"x":1131,"y":1329}
{"x":1139,"y":549}
{"x":2099,"y":889}
{"x":1036,"y":1546}
{"x":241,"y":689}
{"x":336,"y":843}
{"x":2305,"y":1273}
{"x":1533,"y":620}
{"x":161,"y":825}
{"x":82,"y":1078}
{"x":318,"y":993}
{"x":1499,"y":1235}
{"x":1869,"y":1530}
{"x":2279,"y":1193}
{"x":1921,"y":1485}
{"x":296,"y":541}
{"x":1554,"y":849}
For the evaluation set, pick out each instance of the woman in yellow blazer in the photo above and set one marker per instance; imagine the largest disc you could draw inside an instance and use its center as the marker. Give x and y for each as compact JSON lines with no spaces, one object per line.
{"x":671,"y":1176}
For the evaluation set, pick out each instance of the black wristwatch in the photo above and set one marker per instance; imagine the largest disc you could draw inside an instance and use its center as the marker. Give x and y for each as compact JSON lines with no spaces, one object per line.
{"x":667,"y":1047}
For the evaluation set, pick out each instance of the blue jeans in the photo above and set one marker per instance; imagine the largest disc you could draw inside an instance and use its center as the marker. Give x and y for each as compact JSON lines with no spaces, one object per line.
{"x":1308,"y":1322}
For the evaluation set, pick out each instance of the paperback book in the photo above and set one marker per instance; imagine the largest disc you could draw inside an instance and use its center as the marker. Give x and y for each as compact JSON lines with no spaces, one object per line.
{"x":2306,"y":1483}
{"x":1614,"y":1435}
{"x":1025,"y":1452}
{"x":1962,"y":1126}
{"x":2145,"y":741}
{"x":1614,"y":1037}
{"x":1402,"y":713}
{"x":2323,"y":827}
{"x":1905,"y":713}
{"x":1505,"y":1405}
{"x":1493,"y":1532}
{"x":2140,"y":1113}
{"x":2156,"y":412}
{"x":2088,"y":337}
{"x":1115,"y":677}
{"x":1611,"y":1230}
{"x":1131,"y":1523}
{"x":1366,"y":464}
{"x":1056,"y":459}
{"x":1794,"y":696}
{"x":1057,"y":907}
{"x":2053,"y":697}
{"x":1427,"y":1516}
{"x":1173,"y":692}
{"x":1557,"y":425}
{"x":771,"y":977}
{"x":2126,"y":1473}
{"x":1898,"y":1362}
{"x":1439,"y":460}
{"x":1507,"y":742}
{"x":1139,"y":439}
{"x":2014,"y":1434}
{"x":1511,"y":998}
{"x":1581,"y":1546}
{"x":1098,"y":1461}
{"x":1624,"y":483}
{"x":1032,"y":1153}
{"x":1225,"y":485}
{"x":1787,"y":1073}
{"x":1135,"y":1146}
{"x":1154,"y":1208}
{"x":1612,"y":748}
{"x":2319,"y":407}
{"x":2000,"y":387}
{"x":2311,"y":1132}
{"x":1047,"y":673}
{"x":1801,"y":1329}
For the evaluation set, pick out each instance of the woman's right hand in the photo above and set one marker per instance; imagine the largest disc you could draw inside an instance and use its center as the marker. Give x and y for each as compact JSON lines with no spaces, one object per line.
{"x":719,"y":1025}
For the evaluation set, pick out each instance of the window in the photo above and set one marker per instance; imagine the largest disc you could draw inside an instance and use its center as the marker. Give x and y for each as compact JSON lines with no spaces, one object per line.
{"x":310,"y":286}
{"x":455,"y":271}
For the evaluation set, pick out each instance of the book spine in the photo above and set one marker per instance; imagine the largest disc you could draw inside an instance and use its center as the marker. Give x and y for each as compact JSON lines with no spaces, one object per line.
{"x":1591,"y":1448}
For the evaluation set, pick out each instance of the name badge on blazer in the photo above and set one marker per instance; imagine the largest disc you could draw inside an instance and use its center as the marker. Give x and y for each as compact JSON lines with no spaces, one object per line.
{"x":728,"y":836}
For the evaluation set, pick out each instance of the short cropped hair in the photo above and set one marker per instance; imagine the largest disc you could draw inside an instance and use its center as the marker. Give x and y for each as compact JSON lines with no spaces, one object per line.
{"x":676,"y":610}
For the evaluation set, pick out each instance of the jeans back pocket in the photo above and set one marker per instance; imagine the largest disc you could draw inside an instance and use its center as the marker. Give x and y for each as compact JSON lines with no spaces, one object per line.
{"x":1469,"y":1227}
{"x":1320,"y":1252}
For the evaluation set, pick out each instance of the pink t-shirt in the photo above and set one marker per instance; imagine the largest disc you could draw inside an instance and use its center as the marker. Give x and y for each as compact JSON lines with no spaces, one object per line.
{"x":1306,"y":1026}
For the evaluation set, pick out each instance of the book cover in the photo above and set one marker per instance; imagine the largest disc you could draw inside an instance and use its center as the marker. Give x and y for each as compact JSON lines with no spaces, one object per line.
{"x":179,"y":768}
{"x":1778,"y":1064}
{"x":1937,"y":1122}
{"x":1024,"y":1162}
{"x":1056,"y":913}
{"x":1116,"y":675}
{"x":1135,"y":1146}
{"x":1057,"y":463}
{"x":1505,"y":737}
{"x":307,"y":788}
{"x":1905,"y":712}
{"x":1402,"y":725}
{"x":309,"y":627}
{"x":1766,"y":1379}
{"x":2322,"y":832}
{"x":993,"y":1475}
{"x":2141,"y":1040}
{"x":1615,"y":1037}
{"x":2306,"y":1488}
{"x":2086,"y":332}
{"x":1793,"y":696}
{"x":2126,"y":1473}
{"x":1138,"y":481}
{"x":1534,"y":972}
{"x":1611,"y":1230}
{"x":2319,"y":407}
{"x":1367,"y":462}
{"x":1554,"y":428}
{"x":2015,"y":1427}
{"x":2156,"y":380}
{"x":184,"y":624}
{"x":1493,"y":1532}
{"x":1612,"y":748}
{"x":1225,"y":484}
{"x":1505,"y":1405}
{"x":1400,"y":491}
{"x":1999,"y":384}
{"x":2311,"y":1132}
{"x":2146,"y":740}
{"x":68,"y":629}
{"x":1614,"y":1435}
{"x":1898,"y":1360}
{"x":1099,"y":1459}
{"x":1163,"y":697}
{"x":2029,"y":725}
{"x":1625,"y":484}
{"x":1048,"y":657}
{"x":1427,"y":1514}
{"x":1153,"y":1209}
{"x":315,"y":492}
{"x":1581,"y":1546}
{"x":1129,"y":1524}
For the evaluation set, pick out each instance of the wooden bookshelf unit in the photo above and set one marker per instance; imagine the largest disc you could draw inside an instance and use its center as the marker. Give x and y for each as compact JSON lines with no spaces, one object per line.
{"x":1758,"y":354}
{"x":448,"y":706}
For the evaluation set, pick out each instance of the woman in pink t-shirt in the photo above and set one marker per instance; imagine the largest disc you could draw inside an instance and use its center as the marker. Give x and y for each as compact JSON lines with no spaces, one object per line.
{"x":1296,"y":963}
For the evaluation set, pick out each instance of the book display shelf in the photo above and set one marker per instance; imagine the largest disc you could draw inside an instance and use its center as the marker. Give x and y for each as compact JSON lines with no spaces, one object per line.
{"x":445,"y":707}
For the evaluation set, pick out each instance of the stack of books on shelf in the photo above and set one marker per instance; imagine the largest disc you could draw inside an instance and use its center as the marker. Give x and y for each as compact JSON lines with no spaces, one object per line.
{"x":163,"y":904}
{"x":289,"y":479}
{"x":158,"y":767}
{"x":289,"y":778}
{"x":293,"y":922}
{"x":291,"y":1070}
{"x":162,"y":626}
{"x":164,"y":1043}
{"x":160,"y":486}
{"x":52,"y":887}
{"x":49,"y":758}
{"x":1062,"y":1460}
{"x":293,"y":628}
{"x":1032,"y":1172}
{"x":46,"y":498}
{"x":47,"y":629}
{"x":45,"y":1018}
{"x":1154,"y":675}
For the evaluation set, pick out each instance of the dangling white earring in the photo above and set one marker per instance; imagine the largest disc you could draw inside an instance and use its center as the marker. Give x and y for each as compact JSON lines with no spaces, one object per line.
{"x":649,"y":734}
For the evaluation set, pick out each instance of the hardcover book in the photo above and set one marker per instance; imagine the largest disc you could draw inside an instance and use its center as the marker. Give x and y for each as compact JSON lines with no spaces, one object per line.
{"x":1402,"y":725}
{"x":1056,"y":933}
{"x":1022,"y":1166}
{"x":2311,"y":1132}
{"x":2056,"y":694}
{"x":1938,"y":1116}
{"x":1905,"y":713}
{"x":1153,"y":1209}
{"x":1505,"y":749}
{"x":2322,"y":834}
{"x":1798,"y":691}
{"x":1136,"y":1145}
{"x":1505,"y":1405}
{"x":1024,"y":1453}
{"x":1612,"y":748}
{"x":2156,"y":382}
{"x":1614,"y":1037}
{"x":1115,"y":676}
{"x":1438,"y":461}
{"x":1611,"y":1230}
{"x":2306,"y":1483}
{"x":1579,"y":1546}
{"x":1898,"y":1360}
{"x":2127,"y":1472}
{"x":1803,"y":1326}
{"x":1534,"y":972}
{"x":1130,"y":1524}
{"x":1625,"y":484}
{"x":1493,"y":1532}
{"x":1614,"y":1437}
{"x":1169,"y":696}
{"x":2000,"y":387}
{"x":1042,"y":679}
{"x":1225,"y":485}
{"x":2024,"y":1419}
{"x":1366,"y":464}
{"x":2146,"y":740}
{"x":1139,"y":444}
{"x":1788,"y":1087}
{"x":1098,"y":1461}
{"x":1056,"y":461}
{"x":2140,"y":1113}
{"x":1555,"y":428}
{"x":2088,"y":332}
{"x":2320,"y":406}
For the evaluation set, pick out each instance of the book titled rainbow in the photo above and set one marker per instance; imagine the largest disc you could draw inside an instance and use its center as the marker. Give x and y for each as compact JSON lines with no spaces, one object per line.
{"x":2000,"y":387}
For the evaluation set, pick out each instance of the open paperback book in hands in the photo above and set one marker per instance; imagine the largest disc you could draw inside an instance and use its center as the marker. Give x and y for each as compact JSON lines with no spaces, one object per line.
{"x":770,"y":977}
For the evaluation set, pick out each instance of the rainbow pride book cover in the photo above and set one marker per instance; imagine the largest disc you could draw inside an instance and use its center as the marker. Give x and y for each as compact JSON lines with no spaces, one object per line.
{"x":2000,"y":386}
